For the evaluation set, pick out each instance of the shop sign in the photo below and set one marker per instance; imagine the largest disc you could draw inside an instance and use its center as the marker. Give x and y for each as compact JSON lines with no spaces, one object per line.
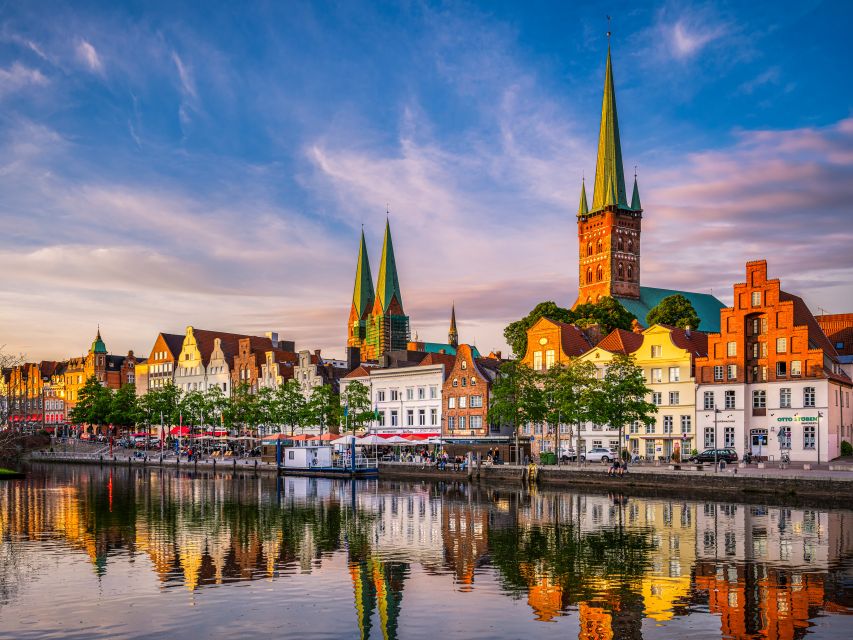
{"x":797,"y":419}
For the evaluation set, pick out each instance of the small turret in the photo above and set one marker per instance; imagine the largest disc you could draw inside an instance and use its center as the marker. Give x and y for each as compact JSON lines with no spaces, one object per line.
{"x":453,"y":334}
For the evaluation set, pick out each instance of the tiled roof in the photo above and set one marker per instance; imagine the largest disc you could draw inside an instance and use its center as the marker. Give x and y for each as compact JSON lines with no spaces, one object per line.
{"x":838,"y":327}
{"x":358,"y":372}
{"x":437,"y":347}
{"x":803,"y":317}
{"x":440,"y":358}
{"x":574,"y":341}
{"x":696,"y":343}
{"x":174,"y":343}
{"x":622,"y":341}
{"x":205,"y":340}
{"x":706,"y":306}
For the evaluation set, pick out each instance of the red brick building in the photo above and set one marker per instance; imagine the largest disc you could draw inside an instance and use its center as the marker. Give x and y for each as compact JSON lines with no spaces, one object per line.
{"x":465,"y":395}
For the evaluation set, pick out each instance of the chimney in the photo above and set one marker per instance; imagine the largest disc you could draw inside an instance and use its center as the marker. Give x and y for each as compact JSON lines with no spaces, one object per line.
{"x":593,"y":333}
{"x":353,"y":358}
{"x":498,"y":355}
{"x":273,"y":336}
{"x":317,"y":354}
{"x":687,"y":331}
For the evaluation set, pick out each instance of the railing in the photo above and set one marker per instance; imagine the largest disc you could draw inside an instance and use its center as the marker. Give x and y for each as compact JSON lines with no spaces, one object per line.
{"x":361,"y":462}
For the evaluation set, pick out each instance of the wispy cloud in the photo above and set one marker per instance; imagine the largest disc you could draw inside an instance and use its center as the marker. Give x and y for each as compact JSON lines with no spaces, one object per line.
{"x":18,"y":77}
{"x":688,"y":39}
{"x":87,"y":54}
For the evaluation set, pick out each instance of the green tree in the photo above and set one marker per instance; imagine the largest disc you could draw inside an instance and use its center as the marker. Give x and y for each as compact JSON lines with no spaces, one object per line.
{"x":193,"y":407}
{"x":242,"y":408}
{"x":215,"y":404}
{"x":356,"y":400}
{"x":676,"y":311}
{"x":266,"y":409}
{"x":515,"y":398}
{"x":93,"y":404}
{"x":124,"y":409}
{"x":608,"y":313}
{"x":516,"y":332}
{"x":569,"y":391}
{"x":290,"y":406}
{"x":621,"y":399}
{"x":324,"y":408}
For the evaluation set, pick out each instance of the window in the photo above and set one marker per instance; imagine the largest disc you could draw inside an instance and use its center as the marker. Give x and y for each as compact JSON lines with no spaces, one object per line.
{"x":451,"y":402}
{"x":393,"y":417}
{"x":730,"y":399}
{"x":785,"y":398}
{"x":686,"y":424}
{"x":589,"y":249}
{"x":476,"y":422}
{"x":461,"y":422}
{"x":667,"y":424}
{"x":395,"y":395}
{"x":451,"y":421}
{"x":630,"y":267}
{"x":598,"y":247}
{"x":656,"y":350}
{"x":718,"y":372}
{"x":673,"y":397}
{"x":599,"y":274}
{"x":796,"y":368}
{"x":381,"y":418}
{"x":620,"y":269}
{"x":732,"y":371}
{"x":433,"y":417}
{"x":433,"y":393}
{"x":634,"y":427}
{"x":650,"y":428}
{"x":589,"y":276}
{"x":731,"y":349}
{"x":781,"y":369}
{"x":549,"y":358}
{"x":709,"y":437}
{"x":657,"y":375}
{"x":421,"y":417}
{"x":729,"y":437}
{"x":656,"y":398}
{"x":839,"y":345}
{"x":756,"y":298}
{"x":808,"y":397}
{"x":473,"y":382}
{"x":464,"y":365}
{"x":463,"y":401}
{"x":476,"y":402}
{"x":421,"y":393}
{"x":380,"y":396}
{"x":455,"y":382}
{"x":620,"y":245}
{"x":808,"y":437}
{"x":537,"y":360}
{"x":410,"y":394}
{"x":781,"y":345}
{"x":464,"y":382}
{"x":410,"y":417}
{"x":709,"y":400}
{"x":755,"y":348}
{"x":759,"y":399}
{"x":675,"y":374}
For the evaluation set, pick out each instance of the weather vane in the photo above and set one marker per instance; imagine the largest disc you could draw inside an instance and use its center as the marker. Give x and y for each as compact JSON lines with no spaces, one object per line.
{"x":608,"y":27}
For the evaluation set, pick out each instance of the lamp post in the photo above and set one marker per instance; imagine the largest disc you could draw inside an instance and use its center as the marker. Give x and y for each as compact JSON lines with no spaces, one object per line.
{"x":716,"y":413}
{"x":44,"y":381}
{"x":817,"y":435}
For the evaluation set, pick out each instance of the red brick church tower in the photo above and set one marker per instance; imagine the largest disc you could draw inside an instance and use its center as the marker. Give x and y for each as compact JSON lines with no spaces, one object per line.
{"x":609,"y":232}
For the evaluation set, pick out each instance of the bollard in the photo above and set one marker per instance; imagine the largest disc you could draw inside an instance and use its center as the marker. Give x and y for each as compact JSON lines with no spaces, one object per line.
{"x":256,"y":468}
{"x":235,"y":465}
{"x":214,"y":466}
{"x":470,"y":464}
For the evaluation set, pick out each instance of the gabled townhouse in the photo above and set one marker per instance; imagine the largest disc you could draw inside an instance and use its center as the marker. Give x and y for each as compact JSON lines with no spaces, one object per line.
{"x":466,"y":394}
{"x":312,"y":370}
{"x":772,"y":382}
{"x":251,"y":356}
{"x":162,"y":362}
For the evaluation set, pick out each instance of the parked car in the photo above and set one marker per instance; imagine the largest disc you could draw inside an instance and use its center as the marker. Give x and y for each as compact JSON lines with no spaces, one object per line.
{"x":727,"y":455}
{"x":598,"y":454}
{"x":568,"y":455}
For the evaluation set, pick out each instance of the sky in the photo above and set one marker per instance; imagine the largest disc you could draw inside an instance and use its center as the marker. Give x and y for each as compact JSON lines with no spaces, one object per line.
{"x":165,"y":164}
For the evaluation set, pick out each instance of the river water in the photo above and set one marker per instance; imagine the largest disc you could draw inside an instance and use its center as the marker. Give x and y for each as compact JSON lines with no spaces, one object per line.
{"x":90,"y":552}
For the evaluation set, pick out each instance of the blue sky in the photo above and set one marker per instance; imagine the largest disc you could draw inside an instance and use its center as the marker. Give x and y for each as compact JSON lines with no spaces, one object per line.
{"x":166,"y":164}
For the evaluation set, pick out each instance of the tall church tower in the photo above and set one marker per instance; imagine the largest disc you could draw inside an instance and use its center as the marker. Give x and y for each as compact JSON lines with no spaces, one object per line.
{"x":453,"y":334}
{"x":362,"y":299}
{"x":387,"y":328}
{"x":609,"y":231}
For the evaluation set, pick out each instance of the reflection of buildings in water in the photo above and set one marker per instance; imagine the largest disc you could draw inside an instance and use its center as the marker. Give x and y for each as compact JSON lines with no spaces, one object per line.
{"x":464,"y":532}
{"x":764,"y":570}
{"x":378,"y":589}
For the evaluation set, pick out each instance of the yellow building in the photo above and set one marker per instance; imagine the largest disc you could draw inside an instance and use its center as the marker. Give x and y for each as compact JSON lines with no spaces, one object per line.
{"x":666,"y":355}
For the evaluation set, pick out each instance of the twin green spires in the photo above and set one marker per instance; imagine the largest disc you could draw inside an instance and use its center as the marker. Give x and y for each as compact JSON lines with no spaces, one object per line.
{"x":388,"y":284}
{"x":609,"y":189}
{"x":362,"y":292}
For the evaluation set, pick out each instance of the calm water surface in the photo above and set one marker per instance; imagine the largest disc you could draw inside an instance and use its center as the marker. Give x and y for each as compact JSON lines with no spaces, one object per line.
{"x":96,"y":553}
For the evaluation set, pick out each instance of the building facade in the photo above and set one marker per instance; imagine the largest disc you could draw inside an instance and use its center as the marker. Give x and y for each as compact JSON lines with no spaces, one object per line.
{"x":312,"y":371}
{"x":772,"y":382}
{"x":466,"y":395}
{"x":162,"y":361}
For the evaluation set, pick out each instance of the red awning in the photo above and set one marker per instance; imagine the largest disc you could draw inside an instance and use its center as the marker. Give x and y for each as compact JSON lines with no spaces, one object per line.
{"x":179,"y":431}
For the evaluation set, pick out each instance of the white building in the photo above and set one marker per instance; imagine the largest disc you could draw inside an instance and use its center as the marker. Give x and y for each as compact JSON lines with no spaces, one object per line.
{"x":408,"y":399}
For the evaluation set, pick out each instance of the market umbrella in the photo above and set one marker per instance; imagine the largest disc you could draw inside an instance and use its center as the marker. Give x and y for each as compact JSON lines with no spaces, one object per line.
{"x":397,"y":440}
{"x":344,"y":440}
{"x":371,"y":441}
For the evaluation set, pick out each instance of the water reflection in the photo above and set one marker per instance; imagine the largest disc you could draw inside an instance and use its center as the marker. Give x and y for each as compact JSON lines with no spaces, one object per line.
{"x":606,"y":565}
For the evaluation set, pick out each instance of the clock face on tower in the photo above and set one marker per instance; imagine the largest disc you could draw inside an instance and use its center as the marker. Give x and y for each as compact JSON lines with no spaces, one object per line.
{"x":543,"y":341}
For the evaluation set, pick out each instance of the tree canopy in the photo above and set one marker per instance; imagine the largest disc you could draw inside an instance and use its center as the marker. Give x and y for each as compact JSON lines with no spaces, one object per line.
{"x":608,"y":313}
{"x":675,"y":310}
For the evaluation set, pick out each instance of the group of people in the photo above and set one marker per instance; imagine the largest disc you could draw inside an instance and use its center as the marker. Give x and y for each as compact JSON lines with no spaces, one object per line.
{"x":618,"y":468}
{"x":458,"y":463}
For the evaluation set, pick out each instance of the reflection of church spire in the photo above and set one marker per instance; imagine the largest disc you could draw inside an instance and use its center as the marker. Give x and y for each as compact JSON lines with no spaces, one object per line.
{"x":365,"y":596}
{"x":378,"y":586}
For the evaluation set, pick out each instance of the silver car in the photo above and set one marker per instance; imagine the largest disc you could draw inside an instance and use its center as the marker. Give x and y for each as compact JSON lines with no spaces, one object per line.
{"x":598,"y":454}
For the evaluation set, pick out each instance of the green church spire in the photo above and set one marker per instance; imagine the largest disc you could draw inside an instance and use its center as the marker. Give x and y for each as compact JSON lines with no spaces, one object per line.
{"x":583,"y":207}
{"x":608,"y":167}
{"x":388,"y":284}
{"x":98,"y":345}
{"x":635,"y":197}
{"x":362,"y":292}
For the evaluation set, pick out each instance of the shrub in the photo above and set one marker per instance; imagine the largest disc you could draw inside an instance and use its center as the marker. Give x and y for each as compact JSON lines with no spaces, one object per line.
{"x":846,"y":448}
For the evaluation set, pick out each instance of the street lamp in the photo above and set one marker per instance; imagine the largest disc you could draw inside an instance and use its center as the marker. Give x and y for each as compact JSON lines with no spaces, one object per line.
{"x":817,"y":435}
{"x":716,"y":413}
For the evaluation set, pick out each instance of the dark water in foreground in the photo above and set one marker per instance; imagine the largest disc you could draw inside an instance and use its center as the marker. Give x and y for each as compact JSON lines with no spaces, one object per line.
{"x":94,"y":553}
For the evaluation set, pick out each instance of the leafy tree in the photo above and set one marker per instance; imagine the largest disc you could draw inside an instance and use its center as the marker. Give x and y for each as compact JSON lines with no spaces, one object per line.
{"x":290,"y":406}
{"x":124,"y":409}
{"x":266,"y":409}
{"x":676,"y":311}
{"x":164,"y":401}
{"x":569,"y":392}
{"x":621,"y":398}
{"x":215,"y":404}
{"x":608,"y":313}
{"x":93,"y":404}
{"x":516,"y":332}
{"x":242,"y":409}
{"x":356,"y":400}
{"x":324,"y":408}
{"x":192,"y":407}
{"x":515,"y":397}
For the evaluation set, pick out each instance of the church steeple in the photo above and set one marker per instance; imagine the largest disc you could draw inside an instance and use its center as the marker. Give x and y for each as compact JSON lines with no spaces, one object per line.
{"x":98,"y":345}
{"x":388,"y":284}
{"x":608,"y":168}
{"x":453,"y":334}
{"x":635,"y":197}
{"x":362,"y":292}
{"x":583,"y":207}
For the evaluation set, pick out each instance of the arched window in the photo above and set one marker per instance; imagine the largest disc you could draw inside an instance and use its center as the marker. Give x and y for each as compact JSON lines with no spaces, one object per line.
{"x":599,"y":274}
{"x":621,"y":270}
{"x":630,"y":246}
{"x":630,"y":272}
{"x":589,"y":249}
{"x":589,"y":276}
{"x":598,"y":246}
{"x":619,"y":244}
